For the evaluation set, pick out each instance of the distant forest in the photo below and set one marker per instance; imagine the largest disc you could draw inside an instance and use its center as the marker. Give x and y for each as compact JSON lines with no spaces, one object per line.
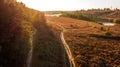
{"x":95,"y":15}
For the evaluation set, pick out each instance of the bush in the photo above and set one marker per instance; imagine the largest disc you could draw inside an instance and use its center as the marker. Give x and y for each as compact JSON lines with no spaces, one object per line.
{"x":107,"y":33}
{"x":107,"y":29}
{"x":117,"y":21}
{"x":94,"y":26}
{"x":111,"y":20}
{"x":102,"y":29}
{"x":78,"y":16}
{"x":99,"y":23}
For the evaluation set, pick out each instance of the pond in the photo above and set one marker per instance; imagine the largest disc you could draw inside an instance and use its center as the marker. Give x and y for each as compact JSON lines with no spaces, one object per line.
{"x":54,"y":15}
{"x":108,"y":24}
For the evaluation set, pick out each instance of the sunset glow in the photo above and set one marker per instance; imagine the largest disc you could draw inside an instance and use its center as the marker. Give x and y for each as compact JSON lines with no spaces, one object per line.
{"x":45,"y":5}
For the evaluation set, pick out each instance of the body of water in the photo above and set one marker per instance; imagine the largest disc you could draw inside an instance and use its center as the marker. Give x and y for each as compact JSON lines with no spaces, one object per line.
{"x":53,"y":15}
{"x":108,"y":24}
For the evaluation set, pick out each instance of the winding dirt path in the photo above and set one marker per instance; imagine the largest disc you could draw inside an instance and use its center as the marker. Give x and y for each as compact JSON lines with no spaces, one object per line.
{"x":67,"y":48}
{"x":65,"y":45}
{"x":31,"y":49}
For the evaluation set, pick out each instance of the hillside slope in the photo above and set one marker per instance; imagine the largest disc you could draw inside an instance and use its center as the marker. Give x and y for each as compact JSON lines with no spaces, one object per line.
{"x":90,"y":45}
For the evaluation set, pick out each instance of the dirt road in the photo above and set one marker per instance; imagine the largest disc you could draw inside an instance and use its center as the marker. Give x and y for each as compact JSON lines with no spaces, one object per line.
{"x":67,"y":49}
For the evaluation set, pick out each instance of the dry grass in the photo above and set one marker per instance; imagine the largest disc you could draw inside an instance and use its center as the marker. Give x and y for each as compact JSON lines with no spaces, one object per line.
{"x":91,"y":48}
{"x":48,"y":50}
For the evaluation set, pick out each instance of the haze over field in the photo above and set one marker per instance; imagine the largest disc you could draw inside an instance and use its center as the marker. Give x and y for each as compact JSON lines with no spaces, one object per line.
{"x":47,"y":5}
{"x":60,"y":38}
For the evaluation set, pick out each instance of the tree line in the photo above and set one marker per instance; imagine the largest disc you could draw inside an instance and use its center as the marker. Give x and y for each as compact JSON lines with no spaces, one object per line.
{"x":16,"y":27}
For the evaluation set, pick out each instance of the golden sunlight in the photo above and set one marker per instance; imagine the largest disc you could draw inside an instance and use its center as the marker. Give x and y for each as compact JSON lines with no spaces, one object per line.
{"x":45,"y":5}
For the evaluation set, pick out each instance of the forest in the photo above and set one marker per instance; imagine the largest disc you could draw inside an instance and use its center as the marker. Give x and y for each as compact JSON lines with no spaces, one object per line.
{"x":95,"y":15}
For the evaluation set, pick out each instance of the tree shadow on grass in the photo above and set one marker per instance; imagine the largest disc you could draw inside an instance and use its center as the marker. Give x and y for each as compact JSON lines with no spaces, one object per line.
{"x":48,"y":51}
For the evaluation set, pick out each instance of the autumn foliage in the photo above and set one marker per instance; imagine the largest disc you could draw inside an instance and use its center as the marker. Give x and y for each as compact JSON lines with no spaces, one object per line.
{"x":16,"y":27}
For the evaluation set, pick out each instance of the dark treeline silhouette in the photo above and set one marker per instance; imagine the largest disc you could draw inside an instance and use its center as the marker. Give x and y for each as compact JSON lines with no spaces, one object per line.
{"x":15,"y":29}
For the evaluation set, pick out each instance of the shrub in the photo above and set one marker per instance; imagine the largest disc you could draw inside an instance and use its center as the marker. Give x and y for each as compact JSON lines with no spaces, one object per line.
{"x":78,"y":16}
{"x":107,"y":29}
{"x":94,"y":26}
{"x":117,"y":21}
{"x":107,"y":33}
{"x":99,"y":23}
{"x":102,"y":29}
{"x":110,"y":20}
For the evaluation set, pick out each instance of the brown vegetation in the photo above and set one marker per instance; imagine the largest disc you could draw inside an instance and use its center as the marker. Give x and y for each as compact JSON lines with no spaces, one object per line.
{"x":48,"y":50}
{"x":17,"y":25}
{"x":15,"y":30}
{"x":95,"y":15}
{"x":90,"y":46}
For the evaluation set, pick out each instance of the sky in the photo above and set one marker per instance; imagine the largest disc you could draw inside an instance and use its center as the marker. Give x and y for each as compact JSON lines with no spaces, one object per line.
{"x":50,"y":5}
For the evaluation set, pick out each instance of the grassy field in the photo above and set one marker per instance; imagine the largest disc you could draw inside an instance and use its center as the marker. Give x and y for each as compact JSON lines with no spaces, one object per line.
{"x":90,"y":44}
{"x":20,"y":29}
{"x":48,"y":50}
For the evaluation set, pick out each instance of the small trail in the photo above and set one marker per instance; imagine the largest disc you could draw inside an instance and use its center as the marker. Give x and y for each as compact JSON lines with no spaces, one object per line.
{"x":66,"y":47}
{"x":31,"y":49}
{"x":71,"y":58}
